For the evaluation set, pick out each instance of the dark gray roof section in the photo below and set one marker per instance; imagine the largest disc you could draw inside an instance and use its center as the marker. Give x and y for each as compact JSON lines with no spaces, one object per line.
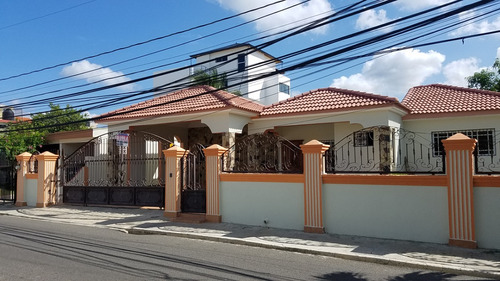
{"x":234,"y":46}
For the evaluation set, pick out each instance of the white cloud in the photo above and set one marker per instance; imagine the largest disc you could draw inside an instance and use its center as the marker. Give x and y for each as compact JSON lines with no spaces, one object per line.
{"x":371,"y":18}
{"x":293,"y":16}
{"x":92,"y":72}
{"x":473,"y":27}
{"x":498,"y":53}
{"x":394,"y":73}
{"x":413,"y":5}
{"x":455,"y":72}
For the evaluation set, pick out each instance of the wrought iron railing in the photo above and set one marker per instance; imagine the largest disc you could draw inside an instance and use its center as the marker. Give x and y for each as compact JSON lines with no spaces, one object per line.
{"x":384,"y":150}
{"x":488,"y":163}
{"x":123,"y":158}
{"x":262,"y":153}
{"x":193,"y":168}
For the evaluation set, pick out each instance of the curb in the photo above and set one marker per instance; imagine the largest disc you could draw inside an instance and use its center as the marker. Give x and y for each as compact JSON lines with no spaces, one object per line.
{"x":354,"y":257}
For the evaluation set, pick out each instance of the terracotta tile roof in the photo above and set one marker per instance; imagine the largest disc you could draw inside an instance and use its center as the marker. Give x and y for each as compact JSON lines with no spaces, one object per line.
{"x":328,"y":99}
{"x":444,"y":100}
{"x":194,"y":99}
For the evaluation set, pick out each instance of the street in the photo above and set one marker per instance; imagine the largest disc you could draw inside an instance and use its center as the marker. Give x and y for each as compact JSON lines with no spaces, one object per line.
{"x":40,"y":250}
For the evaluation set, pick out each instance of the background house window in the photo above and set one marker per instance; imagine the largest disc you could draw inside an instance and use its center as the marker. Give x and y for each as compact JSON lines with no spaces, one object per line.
{"x":221,"y":59}
{"x":364,"y":138}
{"x":485,"y":140}
{"x":284,"y":88}
{"x":241,"y":62}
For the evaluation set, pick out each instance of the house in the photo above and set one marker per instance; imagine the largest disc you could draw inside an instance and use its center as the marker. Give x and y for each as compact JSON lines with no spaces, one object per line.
{"x":239,"y":63}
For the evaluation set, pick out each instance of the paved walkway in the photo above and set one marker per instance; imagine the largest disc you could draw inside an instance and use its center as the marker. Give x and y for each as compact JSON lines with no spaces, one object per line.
{"x":426,"y":256}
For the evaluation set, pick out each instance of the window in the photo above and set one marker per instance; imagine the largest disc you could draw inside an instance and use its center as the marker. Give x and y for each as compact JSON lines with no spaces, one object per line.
{"x":221,"y":59}
{"x":484,"y":137}
{"x":363,"y":138}
{"x":284,"y":88}
{"x":241,"y":63}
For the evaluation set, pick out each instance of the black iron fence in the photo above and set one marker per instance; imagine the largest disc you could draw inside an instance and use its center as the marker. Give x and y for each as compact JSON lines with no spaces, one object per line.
{"x":384,"y":150}
{"x":262,"y":153}
{"x":486,"y":156}
{"x":193,"y":180}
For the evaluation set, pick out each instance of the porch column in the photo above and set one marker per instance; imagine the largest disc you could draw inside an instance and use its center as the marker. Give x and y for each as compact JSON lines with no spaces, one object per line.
{"x":46,"y":193}
{"x":313,"y":184}
{"x":173,"y":175}
{"x":22,"y":160}
{"x":213,"y":168}
{"x":459,"y":167}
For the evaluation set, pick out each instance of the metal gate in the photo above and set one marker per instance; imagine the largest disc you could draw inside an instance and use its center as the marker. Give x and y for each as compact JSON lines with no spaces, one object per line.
{"x":8,"y":180}
{"x":193,"y":181}
{"x":117,"y":168}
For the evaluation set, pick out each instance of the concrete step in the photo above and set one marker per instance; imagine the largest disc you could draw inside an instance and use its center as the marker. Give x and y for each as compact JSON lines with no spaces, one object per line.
{"x":190,"y":218}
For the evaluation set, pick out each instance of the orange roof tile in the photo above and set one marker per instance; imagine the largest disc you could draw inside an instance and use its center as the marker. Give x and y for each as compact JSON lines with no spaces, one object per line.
{"x":328,"y":99}
{"x":444,"y":100}
{"x":194,"y":99}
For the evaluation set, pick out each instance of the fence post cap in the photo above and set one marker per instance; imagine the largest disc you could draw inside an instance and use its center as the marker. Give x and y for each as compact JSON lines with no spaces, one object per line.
{"x":214,"y":150}
{"x":25,"y":156}
{"x":459,"y":141}
{"x":314,"y":146}
{"x":47,"y":156}
{"x":174,"y":151}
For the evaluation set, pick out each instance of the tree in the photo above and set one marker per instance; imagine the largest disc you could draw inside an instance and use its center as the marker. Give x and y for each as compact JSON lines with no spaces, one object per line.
{"x":486,"y":79}
{"x":29,"y":136}
{"x":210,"y":78}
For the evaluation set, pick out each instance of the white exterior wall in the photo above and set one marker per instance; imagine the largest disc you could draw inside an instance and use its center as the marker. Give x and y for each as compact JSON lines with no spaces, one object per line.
{"x":250,"y":203}
{"x":487,"y":217}
{"x":414,"y":213}
{"x":308,"y":132}
{"x":181,"y":76}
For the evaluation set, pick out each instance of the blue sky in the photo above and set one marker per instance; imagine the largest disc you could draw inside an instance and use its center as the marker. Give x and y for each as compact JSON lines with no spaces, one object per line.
{"x":38,"y":34}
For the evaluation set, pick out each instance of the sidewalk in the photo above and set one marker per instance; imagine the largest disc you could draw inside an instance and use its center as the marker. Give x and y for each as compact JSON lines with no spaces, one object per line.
{"x":425,"y":256}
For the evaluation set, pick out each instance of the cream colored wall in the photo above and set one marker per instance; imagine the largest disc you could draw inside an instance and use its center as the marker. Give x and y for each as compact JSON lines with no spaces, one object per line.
{"x":451,"y":124}
{"x":487,"y":217}
{"x":366,"y":118}
{"x":250,"y":203}
{"x":307,"y":132}
{"x":414,"y":213}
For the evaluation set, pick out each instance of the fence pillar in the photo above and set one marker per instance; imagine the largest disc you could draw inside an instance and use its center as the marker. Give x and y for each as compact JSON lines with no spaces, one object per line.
{"x":173,"y":175}
{"x":22,"y":160}
{"x":313,"y":184}
{"x":46,"y":193}
{"x":213,"y":168}
{"x":459,"y":166}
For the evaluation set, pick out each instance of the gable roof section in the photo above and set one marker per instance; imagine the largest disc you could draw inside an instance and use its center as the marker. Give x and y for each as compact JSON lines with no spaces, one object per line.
{"x":438,"y":100}
{"x":235,"y":46}
{"x":189,"y":100}
{"x":328,"y":99}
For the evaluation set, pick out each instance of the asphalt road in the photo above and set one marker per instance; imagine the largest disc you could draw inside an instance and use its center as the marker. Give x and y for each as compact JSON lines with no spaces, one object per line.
{"x":37,"y":250}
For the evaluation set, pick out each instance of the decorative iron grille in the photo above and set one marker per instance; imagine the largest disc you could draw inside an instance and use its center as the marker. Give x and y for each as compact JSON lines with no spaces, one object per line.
{"x":123,"y":158}
{"x":487,"y":163}
{"x":262,"y":153}
{"x":383,"y":150}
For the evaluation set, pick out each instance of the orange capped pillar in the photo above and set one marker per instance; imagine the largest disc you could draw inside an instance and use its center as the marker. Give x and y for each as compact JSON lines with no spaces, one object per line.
{"x":46,"y":188}
{"x":22,"y":169}
{"x":459,"y":167}
{"x":173,"y":157}
{"x":213,"y":168}
{"x":313,"y":184}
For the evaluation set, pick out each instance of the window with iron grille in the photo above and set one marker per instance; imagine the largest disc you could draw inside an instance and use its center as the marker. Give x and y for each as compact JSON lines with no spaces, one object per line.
{"x":485,"y":140}
{"x":364,"y":138}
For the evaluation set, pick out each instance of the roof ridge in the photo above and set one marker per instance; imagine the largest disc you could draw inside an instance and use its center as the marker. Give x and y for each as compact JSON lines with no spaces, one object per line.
{"x":466,"y":89}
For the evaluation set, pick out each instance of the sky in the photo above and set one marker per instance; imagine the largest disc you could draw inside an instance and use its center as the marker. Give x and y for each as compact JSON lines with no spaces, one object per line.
{"x":66,"y":36}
